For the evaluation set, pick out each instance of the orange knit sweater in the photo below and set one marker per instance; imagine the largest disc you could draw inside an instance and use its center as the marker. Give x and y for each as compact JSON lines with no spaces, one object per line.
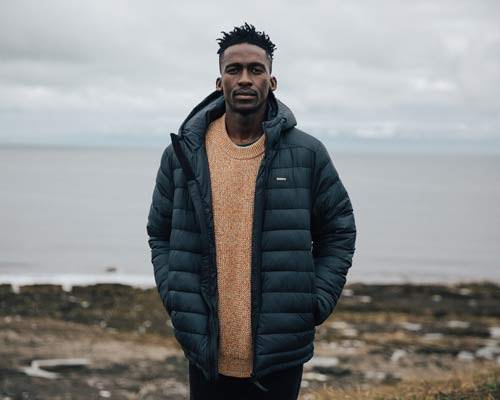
{"x":233,"y":172}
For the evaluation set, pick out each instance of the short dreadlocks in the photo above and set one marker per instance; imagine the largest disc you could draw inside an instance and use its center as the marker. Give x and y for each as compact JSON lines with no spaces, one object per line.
{"x":246,"y":34}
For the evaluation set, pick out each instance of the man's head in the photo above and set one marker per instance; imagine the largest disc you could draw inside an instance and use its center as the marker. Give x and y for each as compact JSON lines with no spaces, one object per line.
{"x":245,"y":64}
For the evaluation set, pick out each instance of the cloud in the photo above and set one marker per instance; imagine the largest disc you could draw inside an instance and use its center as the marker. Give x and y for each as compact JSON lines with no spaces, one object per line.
{"x":376,"y":69}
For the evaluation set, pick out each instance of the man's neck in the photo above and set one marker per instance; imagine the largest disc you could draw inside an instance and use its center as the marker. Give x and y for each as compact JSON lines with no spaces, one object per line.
{"x":244,"y":128}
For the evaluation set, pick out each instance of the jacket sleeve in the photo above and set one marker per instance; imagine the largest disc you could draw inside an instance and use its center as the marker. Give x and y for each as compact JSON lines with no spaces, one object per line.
{"x":333,"y":231}
{"x":160,"y":223}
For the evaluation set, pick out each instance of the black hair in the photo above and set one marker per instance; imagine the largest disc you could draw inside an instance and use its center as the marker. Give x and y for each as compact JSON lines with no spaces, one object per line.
{"x":246,"y":34}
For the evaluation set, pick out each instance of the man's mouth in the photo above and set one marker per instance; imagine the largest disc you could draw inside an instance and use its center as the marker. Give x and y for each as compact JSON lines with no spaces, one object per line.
{"x":244,"y":95}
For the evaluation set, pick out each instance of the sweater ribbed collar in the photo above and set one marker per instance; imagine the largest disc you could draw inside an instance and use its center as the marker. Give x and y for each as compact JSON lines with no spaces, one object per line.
{"x":221,"y":139}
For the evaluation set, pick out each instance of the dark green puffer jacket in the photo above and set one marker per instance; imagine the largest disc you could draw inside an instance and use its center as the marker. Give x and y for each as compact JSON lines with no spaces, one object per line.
{"x":303,"y":241}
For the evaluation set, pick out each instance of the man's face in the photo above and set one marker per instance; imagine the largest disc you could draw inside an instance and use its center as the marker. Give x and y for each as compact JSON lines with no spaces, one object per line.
{"x":245,"y":78}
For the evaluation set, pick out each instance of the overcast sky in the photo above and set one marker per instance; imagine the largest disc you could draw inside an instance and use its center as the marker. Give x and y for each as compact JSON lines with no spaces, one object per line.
{"x":76,"y":69}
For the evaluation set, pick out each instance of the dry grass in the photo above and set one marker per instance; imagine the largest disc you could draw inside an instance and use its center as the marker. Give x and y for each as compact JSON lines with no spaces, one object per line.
{"x":478,"y":386}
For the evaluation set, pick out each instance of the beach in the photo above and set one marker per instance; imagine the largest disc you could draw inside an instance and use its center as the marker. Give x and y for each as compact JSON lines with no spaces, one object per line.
{"x":381,"y":342}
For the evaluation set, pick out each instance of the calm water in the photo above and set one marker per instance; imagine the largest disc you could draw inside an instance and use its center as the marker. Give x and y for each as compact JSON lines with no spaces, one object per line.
{"x":68,"y":214}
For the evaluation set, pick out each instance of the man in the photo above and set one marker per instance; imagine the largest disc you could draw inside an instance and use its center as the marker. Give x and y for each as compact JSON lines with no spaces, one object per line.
{"x":251,"y":230}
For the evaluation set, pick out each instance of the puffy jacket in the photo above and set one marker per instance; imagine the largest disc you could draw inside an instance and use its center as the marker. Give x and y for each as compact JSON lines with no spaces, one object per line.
{"x":303,"y":241}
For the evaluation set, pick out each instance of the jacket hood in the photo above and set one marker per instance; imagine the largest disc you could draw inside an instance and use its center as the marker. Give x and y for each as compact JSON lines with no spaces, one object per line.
{"x":279,"y":119}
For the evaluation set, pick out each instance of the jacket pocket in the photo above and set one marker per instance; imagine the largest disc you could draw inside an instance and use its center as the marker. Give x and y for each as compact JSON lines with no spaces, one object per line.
{"x":314,"y":298}
{"x":170,"y":301}
{"x":314,"y":294}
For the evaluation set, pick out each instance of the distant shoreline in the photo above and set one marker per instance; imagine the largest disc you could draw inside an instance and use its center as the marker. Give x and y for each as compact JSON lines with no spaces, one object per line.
{"x":147,"y":282}
{"x":340,"y":143}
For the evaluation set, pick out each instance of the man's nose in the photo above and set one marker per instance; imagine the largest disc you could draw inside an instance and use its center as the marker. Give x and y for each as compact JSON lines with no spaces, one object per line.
{"x":244,"y":78}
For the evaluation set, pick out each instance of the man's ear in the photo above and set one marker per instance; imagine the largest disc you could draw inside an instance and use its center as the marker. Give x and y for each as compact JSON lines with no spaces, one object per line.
{"x":274,"y":83}
{"x":218,"y":84}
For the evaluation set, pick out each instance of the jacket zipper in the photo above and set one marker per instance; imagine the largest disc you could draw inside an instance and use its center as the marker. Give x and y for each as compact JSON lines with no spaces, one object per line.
{"x":204,"y":225}
{"x":264,"y":168}
{"x":215,"y":318}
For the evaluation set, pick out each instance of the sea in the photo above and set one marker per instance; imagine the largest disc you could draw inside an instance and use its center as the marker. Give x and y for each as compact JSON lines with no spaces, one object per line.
{"x":76,"y":215}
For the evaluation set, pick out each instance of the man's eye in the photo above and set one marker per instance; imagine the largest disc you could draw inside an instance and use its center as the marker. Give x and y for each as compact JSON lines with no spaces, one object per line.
{"x":257,"y":70}
{"x":231,"y":70}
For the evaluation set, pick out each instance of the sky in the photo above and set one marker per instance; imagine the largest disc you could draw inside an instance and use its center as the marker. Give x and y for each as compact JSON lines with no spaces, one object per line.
{"x":90,"y":71}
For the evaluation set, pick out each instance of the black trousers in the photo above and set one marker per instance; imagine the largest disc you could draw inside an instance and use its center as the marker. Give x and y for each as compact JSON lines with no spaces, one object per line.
{"x":281,"y":385}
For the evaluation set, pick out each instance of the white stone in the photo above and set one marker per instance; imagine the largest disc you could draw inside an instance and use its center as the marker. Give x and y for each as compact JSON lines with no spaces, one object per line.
{"x":454,"y":324}
{"x":105,"y":393}
{"x":398,"y":355}
{"x":365,"y":299}
{"x":375,"y":375}
{"x":488,"y":352}
{"x":36,"y":367}
{"x":339,"y":325}
{"x":495,"y":332}
{"x":351,"y":332}
{"x":433,"y":336}
{"x":410,"y":326}
{"x":315,"y":376}
{"x":326,"y":362}
{"x":465,"y":356}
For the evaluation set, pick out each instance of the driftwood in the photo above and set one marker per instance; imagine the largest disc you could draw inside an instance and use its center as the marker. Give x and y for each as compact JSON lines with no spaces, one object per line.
{"x":37,"y":366}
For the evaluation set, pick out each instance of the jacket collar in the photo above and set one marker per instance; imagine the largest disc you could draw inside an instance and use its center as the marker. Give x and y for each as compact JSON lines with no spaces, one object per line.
{"x":192,"y":131}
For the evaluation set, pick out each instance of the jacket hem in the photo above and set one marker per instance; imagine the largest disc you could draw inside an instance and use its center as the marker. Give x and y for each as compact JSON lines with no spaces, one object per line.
{"x":279,"y":367}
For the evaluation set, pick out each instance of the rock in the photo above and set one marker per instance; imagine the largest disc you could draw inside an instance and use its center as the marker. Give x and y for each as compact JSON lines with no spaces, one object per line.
{"x":314,"y":376}
{"x":365,"y":299}
{"x":398,"y":355}
{"x":339,"y":325}
{"x":375,"y":375}
{"x":454,"y":324}
{"x":465,"y":356}
{"x":322,"y":362}
{"x":36,"y":367}
{"x":495,"y":332}
{"x":345,"y":328}
{"x":350,"y":332}
{"x":327,"y":366}
{"x":85,"y":304}
{"x":413,"y":327}
{"x":105,"y":393}
{"x":433,"y":336}
{"x":382,"y":377}
{"x":437,"y":298}
{"x":488,"y":352}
